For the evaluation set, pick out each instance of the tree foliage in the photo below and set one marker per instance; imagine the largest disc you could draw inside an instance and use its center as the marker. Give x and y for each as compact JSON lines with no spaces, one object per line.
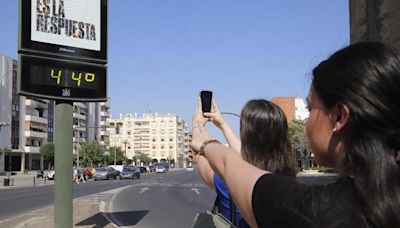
{"x":143,"y":158}
{"x":119,"y":155}
{"x":91,"y":153}
{"x":47,"y":152}
{"x":297,"y":133}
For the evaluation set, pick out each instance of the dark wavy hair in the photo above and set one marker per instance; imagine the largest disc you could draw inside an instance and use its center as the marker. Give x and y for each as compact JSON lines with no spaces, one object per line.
{"x":366,"y":77}
{"x":265,"y":138}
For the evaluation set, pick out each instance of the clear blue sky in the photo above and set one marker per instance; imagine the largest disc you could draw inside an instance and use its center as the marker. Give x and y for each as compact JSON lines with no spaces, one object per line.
{"x":163,"y":52}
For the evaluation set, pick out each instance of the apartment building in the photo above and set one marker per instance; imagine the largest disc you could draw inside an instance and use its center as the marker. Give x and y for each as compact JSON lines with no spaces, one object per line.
{"x":158,"y":136}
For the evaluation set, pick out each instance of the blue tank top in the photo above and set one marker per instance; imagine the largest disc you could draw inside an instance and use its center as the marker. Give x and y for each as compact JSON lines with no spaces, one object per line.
{"x":224,"y":205}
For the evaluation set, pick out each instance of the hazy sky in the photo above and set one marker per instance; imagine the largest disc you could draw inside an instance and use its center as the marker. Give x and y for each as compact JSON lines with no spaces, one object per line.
{"x":163,"y":52}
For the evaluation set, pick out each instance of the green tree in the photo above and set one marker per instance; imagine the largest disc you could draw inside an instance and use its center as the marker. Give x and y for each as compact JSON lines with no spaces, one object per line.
{"x":91,"y":153}
{"x":143,"y":158}
{"x":47,"y":152}
{"x":297,"y":133}
{"x":120,"y":156}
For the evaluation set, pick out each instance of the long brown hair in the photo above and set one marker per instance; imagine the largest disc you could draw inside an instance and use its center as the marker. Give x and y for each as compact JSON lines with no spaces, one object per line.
{"x":366,"y":77}
{"x":265,"y":138}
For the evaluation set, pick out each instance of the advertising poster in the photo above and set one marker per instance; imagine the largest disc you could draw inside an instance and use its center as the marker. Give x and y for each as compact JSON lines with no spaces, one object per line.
{"x":73,"y":23}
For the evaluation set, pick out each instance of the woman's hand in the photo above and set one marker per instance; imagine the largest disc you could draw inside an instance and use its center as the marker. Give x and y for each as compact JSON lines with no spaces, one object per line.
{"x":199,"y":132}
{"x":215,"y":116}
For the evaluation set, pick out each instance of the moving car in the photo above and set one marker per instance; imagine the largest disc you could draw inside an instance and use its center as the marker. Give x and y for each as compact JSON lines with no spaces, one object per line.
{"x":130,"y":172}
{"x":161,"y":169}
{"x":190,"y":169}
{"x":106,"y":173}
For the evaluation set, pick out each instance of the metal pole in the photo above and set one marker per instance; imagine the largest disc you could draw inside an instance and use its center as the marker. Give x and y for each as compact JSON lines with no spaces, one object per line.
{"x":115,"y":145}
{"x":63,"y":166}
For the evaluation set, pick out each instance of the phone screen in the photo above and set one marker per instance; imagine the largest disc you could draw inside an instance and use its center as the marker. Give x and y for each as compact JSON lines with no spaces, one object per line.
{"x":206,"y":97}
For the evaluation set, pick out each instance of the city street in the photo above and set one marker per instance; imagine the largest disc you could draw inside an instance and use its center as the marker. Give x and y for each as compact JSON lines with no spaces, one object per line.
{"x":169,"y":199}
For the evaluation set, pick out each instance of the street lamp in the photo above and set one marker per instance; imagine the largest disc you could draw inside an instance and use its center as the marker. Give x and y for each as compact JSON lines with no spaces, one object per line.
{"x":230,"y":113}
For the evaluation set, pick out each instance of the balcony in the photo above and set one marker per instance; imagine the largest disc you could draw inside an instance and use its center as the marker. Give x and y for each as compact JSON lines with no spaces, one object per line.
{"x":36,"y":119}
{"x":80,"y":104}
{"x":32,"y":149}
{"x":104,"y":114}
{"x":75,"y":140}
{"x":43,"y":104}
{"x":36,"y":134}
{"x":79,"y":116}
{"x":104,"y":124}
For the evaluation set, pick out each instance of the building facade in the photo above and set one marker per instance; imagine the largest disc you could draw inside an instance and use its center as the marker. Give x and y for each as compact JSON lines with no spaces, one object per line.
{"x":293,"y":107}
{"x":157,"y":136}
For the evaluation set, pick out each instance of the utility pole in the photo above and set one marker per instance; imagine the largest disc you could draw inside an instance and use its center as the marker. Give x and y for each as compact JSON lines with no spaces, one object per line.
{"x":63,"y":165}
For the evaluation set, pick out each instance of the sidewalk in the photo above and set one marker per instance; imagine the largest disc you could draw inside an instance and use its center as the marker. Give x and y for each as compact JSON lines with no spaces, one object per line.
{"x":88,"y":211}
{"x":25,"y":180}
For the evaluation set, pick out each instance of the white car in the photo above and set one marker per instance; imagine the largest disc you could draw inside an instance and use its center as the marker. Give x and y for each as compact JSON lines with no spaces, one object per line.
{"x":161,"y":169}
{"x":51,"y":174}
{"x":190,"y":169}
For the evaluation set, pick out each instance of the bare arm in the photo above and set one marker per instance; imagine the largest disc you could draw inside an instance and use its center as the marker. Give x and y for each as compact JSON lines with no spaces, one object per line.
{"x":206,"y":173}
{"x":215,"y":116}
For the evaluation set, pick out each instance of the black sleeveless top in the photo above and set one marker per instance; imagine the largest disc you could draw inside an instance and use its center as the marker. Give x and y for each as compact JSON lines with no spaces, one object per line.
{"x":280,"y":201}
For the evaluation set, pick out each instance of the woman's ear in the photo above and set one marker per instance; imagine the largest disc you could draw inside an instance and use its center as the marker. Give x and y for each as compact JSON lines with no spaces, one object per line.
{"x":342,"y":114}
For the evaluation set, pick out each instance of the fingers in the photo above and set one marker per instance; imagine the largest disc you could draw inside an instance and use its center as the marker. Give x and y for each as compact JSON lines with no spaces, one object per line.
{"x":214,"y":105}
{"x":199,"y":108}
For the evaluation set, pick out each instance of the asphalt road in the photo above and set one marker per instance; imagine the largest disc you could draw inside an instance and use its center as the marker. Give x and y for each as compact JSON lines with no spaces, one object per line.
{"x":165,"y":200}
{"x":22,"y":200}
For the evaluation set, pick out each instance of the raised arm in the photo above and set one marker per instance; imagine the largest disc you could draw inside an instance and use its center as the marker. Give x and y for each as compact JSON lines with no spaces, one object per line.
{"x":205,"y":170}
{"x":216,"y":117}
{"x":239,"y":175}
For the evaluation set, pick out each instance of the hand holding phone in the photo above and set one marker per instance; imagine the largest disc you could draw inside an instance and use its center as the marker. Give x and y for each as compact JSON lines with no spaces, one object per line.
{"x":206,"y":97}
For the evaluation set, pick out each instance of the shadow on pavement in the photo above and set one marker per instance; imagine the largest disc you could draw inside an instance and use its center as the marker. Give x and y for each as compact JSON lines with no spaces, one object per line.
{"x":127,"y":218}
{"x":97,"y":220}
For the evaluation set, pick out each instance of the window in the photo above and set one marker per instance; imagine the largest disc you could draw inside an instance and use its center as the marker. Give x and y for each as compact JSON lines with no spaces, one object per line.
{"x":162,"y":147}
{"x":154,"y":147}
{"x":162,"y":139}
{"x":154,"y":131}
{"x":171,"y":123}
{"x":154,"y":139}
{"x":171,"y":139}
{"x":171,"y":147}
{"x":162,"y":131}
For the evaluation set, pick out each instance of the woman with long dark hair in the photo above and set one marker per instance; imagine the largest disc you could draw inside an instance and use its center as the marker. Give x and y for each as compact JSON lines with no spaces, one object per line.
{"x":264,"y":142}
{"x":354,"y":126}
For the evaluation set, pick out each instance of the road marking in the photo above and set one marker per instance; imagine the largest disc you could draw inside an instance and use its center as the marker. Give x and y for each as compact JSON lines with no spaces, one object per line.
{"x":196,"y":190}
{"x":144,"y":189}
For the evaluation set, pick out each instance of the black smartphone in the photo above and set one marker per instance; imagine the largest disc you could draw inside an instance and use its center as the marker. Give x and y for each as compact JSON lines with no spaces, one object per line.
{"x":206,"y":97}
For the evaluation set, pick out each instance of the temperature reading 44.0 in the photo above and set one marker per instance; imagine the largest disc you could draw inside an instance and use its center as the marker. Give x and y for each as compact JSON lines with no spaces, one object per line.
{"x":72,"y":76}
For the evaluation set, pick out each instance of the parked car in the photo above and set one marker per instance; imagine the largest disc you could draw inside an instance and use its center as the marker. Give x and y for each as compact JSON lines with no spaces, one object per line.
{"x":117,"y":167}
{"x":161,"y":169}
{"x":106,"y":173}
{"x":190,"y":169}
{"x":142,"y":169}
{"x":130,"y":172}
{"x":51,"y":174}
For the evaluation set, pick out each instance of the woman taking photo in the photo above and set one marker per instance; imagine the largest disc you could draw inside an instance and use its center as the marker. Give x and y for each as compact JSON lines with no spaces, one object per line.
{"x":264,"y":142}
{"x":354,"y":126}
